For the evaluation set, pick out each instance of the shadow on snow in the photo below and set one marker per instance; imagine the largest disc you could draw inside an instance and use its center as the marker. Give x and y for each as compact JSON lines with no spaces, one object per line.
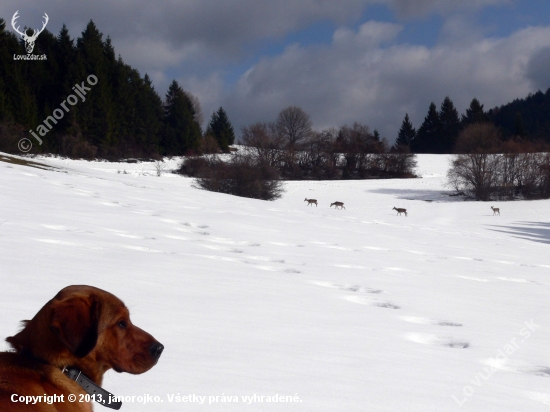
{"x":533,"y":231}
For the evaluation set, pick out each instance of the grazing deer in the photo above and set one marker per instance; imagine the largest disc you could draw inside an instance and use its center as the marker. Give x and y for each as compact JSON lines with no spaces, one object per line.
{"x":336,"y":204}
{"x":310,"y":201}
{"x":495,"y":210}
{"x":399,"y":211}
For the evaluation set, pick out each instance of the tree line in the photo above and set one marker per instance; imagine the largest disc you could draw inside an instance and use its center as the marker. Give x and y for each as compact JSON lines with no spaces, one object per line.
{"x":290,"y":147}
{"x":121,"y":116}
{"x":526,"y":120}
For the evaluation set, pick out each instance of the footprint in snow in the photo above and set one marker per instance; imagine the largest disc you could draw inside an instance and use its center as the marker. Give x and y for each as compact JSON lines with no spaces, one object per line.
{"x":425,"y":321}
{"x":348,"y":288}
{"x":430,"y":339}
{"x":387,"y":305}
{"x":446,"y":323}
{"x":367,"y":301}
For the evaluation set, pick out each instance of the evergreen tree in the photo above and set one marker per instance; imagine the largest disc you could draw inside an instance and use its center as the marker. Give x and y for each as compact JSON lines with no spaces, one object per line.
{"x":426,"y":137}
{"x":474,"y":114}
{"x":6,"y":71}
{"x":406,"y":134}
{"x":450,"y":126}
{"x":376,"y":135}
{"x":17,"y":102}
{"x":519,"y":126}
{"x":533,"y":120}
{"x":220,"y":128}
{"x":95,"y":114}
{"x":181,"y":132}
{"x":149,"y":113}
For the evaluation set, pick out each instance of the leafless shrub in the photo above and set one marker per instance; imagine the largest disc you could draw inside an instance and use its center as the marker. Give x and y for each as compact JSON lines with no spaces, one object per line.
{"x":263,"y":140}
{"x":488,"y":168}
{"x":243,"y":175}
{"x":478,"y":138}
{"x":476,"y":174}
{"x":209,"y":145}
{"x":160,"y":167}
{"x":193,"y":166}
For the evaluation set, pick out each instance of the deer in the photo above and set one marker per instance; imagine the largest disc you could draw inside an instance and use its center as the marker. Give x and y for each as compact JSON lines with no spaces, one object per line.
{"x":29,"y":40}
{"x":495,"y":210}
{"x":310,"y":201}
{"x":336,"y":204}
{"x":399,"y":211}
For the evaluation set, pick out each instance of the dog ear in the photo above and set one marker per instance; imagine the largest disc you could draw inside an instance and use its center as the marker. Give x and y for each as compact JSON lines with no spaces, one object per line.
{"x":75,"y":322}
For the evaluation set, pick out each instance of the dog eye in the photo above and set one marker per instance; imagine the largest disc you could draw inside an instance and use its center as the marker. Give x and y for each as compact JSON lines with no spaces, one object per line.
{"x":122,"y":324}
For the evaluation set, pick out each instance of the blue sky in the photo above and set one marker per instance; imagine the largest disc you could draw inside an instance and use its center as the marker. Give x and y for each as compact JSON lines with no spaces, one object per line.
{"x":369,"y":61}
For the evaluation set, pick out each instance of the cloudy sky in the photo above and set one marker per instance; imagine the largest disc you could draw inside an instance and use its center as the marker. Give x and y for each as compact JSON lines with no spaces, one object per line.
{"x":342,"y":61}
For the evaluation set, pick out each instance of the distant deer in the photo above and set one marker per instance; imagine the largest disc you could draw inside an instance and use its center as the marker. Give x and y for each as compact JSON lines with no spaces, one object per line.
{"x":399,"y":211}
{"x":310,"y":201}
{"x":495,"y":210}
{"x":336,"y":204}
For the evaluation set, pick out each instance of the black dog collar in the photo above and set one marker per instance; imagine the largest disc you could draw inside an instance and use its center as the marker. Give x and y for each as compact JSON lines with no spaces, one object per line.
{"x":97,"y":393}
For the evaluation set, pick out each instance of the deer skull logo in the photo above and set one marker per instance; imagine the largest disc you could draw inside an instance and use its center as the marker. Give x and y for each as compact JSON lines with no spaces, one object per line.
{"x":29,"y":40}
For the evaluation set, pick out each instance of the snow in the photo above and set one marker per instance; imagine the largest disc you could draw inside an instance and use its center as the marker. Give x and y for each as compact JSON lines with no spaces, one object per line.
{"x":334,"y":310}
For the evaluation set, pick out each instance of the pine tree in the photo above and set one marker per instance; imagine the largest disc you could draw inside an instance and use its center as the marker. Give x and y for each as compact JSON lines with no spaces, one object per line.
{"x":181,"y":132}
{"x":96,"y":113}
{"x":474,"y":114}
{"x":426,"y":137}
{"x":149,"y":110}
{"x":519,"y":125}
{"x":450,"y":126}
{"x":406,"y":134}
{"x":220,"y":128}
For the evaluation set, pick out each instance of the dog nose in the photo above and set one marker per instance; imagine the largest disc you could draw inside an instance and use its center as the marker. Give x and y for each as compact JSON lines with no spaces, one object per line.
{"x":156,"y":350}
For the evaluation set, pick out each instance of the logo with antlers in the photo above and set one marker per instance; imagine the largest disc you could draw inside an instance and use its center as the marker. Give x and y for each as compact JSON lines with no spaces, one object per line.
{"x":29,"y":40}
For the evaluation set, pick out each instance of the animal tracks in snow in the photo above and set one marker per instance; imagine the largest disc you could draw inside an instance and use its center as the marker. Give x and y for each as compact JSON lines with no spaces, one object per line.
{"x":368,"y":296}
{"x":357,"y":297}
{"x":349,"y":288}
{"x":426,"y":321}
{"x":433,"y":339}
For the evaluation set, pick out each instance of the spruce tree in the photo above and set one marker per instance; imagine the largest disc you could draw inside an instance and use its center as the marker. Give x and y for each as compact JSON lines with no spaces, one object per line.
{"x":406,"y":134}
{"x":519,"y":125}
{"x":96,"y":113}
{"x":181,"y":132}
{"x":474,"y":114}
{"x":220,"y":128}
{"x":450,"y":126}
{"x":426,"y":137}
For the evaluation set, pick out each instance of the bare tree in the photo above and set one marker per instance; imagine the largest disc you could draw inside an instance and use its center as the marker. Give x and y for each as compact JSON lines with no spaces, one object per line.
{"x":160,"y":167}
{"x":476,"y":173}
{"x":263,"y":140}
{"x":478,"y":138}
{"x":293,"y":124}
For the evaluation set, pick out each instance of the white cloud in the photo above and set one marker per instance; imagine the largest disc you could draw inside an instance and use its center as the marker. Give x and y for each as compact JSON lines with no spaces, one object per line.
{"x":362,"y":75}
{"x":417,"y":8}
{"x":360,"y":80}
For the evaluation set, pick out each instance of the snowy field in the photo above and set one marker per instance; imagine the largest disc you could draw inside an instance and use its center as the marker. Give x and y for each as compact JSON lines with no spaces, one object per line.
{"x":447,"y":309}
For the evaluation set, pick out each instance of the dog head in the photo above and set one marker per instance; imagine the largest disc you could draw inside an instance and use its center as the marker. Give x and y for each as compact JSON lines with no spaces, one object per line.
{"x":88,"y":328}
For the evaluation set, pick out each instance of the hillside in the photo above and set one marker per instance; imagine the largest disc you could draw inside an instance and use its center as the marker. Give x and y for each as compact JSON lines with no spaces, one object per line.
{"x":528,"y":117}
{"x":346,"y":310}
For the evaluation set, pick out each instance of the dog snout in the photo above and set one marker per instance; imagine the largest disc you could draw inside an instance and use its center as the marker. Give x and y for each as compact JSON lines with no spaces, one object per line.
{"x":156,"y":350}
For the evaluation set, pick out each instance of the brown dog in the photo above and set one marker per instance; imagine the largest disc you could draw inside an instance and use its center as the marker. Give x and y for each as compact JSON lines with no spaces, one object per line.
{"x":82,"y":331}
